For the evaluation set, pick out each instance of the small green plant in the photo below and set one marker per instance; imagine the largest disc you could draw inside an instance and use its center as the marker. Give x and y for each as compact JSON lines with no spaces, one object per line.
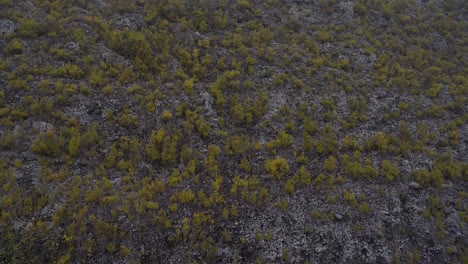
{"x":84,"y":90}
{"x":365,"y":208}
{"x":378,"y":142}
{"x":324,"y":36}
{"x":389,"y":170}
{"x":351,"y":144}
{"x":310,"y":126}
{"x":107,"y":90}
{"x":330,"y":164}
{"x":128,"y":121}
{"x":203,"y":128}
{"x":283,"y":204}
{"x":8,"y":141}
{"x":188,"y":87}
{"x":166,"y":115}
{"x":277,"y":167}
{"x":48,"y":144}
{"x":317,"y":215}
{"x":433,"y":178}
{"x":14,"y":47}
{"x":285,"y":255}
{"x":18,"y":163}
{"x":350,"y":198}
{"x":282,"y":141}
{"x":289,"y":186}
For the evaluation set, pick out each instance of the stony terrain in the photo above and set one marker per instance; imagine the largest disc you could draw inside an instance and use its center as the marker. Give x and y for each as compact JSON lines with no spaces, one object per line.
{"x":233,"y":131}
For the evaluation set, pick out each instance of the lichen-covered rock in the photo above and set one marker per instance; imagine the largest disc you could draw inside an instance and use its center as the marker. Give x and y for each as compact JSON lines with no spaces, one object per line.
{"x":7,"y":27}
{"x":42,"y":126}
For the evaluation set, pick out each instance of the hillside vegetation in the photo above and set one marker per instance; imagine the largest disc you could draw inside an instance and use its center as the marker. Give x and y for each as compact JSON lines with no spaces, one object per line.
{"x":233,"y":131}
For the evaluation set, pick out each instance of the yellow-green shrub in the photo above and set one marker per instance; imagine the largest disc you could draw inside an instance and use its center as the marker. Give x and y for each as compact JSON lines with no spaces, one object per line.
{"x":277,"y":167}
{"x":47,"y":144}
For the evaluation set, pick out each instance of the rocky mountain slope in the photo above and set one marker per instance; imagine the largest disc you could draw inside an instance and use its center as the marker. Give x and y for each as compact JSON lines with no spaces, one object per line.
{"x":233,"y":131}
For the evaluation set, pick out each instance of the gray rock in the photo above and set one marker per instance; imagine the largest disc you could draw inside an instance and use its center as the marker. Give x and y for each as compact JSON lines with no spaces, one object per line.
{"x":72,"y":46}
{"x":225,"y":253}
{"x":49,"y":211}
{"x":414,"y":185}
{"x":344,"y":10}
{"x":438,"y":42}
{"x":16,"y":130}
{"x":107,"y":55}
{"x":7,"y":26}
{"x":338,"y":217}
{"x":123,"y":22}
{"x":19,"y":224}
{"x":130,"y":21}
{"x":42,"y":126}
{"x":320,"y":249}
{"x":100,"y":4}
